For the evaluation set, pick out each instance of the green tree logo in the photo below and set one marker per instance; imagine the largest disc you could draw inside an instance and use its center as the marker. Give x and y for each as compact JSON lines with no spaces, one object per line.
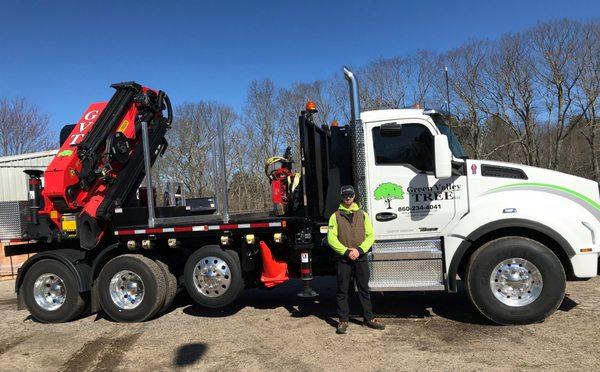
{"x":389,"y":191}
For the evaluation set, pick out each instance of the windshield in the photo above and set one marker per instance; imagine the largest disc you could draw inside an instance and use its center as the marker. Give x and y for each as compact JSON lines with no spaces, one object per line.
{"x":455,"y":145}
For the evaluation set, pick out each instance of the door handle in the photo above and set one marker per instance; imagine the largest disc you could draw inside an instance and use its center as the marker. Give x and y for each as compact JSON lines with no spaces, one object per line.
{"x":385,"y":216}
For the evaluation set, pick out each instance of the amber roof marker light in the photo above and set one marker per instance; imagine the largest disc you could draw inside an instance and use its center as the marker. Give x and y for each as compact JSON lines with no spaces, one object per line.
{"x":311,"y":106}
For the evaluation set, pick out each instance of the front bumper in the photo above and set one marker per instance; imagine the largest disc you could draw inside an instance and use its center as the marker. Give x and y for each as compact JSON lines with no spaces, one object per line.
{"x":585,"y":265}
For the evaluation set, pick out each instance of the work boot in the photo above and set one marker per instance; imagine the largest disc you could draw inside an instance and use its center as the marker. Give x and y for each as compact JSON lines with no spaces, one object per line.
{"x":341,"y":328}
{"x":373,"y":323}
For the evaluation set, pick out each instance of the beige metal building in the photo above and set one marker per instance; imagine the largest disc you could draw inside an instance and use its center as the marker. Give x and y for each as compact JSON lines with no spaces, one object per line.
{"x":13,"y":182}
{"x":13,"y":186}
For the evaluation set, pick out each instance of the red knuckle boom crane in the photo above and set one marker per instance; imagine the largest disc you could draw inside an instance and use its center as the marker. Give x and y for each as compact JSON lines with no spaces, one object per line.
{"x":99,"y":165}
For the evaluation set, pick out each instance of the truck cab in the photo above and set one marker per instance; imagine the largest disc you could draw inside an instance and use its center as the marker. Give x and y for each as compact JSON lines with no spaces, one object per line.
{"x":405,"y":197}
{"x":513,"y":233}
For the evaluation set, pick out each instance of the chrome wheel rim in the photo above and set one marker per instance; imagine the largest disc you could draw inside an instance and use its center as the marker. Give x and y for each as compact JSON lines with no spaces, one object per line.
{"x":49,"y":291}
{"x":126,"y":289}
{"x":516,"y":282}
{"x":212,"y":276}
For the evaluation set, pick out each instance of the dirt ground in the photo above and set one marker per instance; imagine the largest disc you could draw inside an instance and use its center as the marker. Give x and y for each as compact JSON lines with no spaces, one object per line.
{"x":276,"y":330}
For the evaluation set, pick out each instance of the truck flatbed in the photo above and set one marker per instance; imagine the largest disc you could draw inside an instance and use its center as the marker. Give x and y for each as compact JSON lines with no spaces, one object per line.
{"x":206,"y":223}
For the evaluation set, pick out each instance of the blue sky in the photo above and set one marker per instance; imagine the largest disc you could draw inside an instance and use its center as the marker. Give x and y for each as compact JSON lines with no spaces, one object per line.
{"x":63,"y":55}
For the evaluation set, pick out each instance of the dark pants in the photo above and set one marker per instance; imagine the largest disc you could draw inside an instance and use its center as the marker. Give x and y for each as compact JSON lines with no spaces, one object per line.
{"x":345,"y":269}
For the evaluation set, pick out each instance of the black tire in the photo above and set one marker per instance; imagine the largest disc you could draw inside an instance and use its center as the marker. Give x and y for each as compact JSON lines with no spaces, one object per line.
{"x":153,"y":285}
{"x":73,"y":304}
{"x":479,"y":277}
{"x":170,"y":285}
{"x":221,"y":297}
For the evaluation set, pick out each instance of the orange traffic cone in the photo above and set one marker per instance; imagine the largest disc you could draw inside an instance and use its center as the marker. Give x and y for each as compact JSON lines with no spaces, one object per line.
{"x":274,"y":272}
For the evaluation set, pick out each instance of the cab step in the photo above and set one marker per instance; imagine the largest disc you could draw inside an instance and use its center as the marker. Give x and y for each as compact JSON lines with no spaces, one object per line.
{"x":406,"y":265}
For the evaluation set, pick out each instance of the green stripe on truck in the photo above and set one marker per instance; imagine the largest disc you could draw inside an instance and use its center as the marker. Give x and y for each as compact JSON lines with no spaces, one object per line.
{"x":574,"y":193}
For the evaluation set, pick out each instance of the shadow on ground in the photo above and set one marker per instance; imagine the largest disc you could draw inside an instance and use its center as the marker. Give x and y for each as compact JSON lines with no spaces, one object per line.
{"x":189,"y":354}
{"x":401,"y":305}
{"x":453,"y":306}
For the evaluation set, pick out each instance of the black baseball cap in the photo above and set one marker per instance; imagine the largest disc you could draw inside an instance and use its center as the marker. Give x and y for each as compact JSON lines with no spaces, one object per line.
{"x":347,"y":191}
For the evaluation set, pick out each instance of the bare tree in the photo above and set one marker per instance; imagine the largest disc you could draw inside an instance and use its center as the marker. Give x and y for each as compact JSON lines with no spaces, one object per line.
{"x":262,"y":127}
{"x":589,"y":86}
{"x":189,"y":158}
{"x":510,"y":89}
{"x":291,"y":101}
{"x":499,"y":141}
{"x":23,"y":128}
{"x":425,"y":70}
{"x":384,"y":83}
{"x":337,"y":91}
{"x":467,"y":69}
{"x":558,"y":71}
{"x":263,"y":120}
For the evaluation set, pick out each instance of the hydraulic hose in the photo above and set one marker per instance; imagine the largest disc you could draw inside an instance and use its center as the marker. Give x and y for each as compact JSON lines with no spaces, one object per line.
{"x":169,"y":109}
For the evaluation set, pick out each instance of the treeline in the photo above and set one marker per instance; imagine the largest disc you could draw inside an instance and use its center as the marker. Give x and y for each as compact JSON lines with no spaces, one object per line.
{"x":528,"y":97}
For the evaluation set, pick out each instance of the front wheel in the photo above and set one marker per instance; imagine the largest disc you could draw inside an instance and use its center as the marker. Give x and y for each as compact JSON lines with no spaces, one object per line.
{"x":515,"y":280}
{"x":213,"y":277}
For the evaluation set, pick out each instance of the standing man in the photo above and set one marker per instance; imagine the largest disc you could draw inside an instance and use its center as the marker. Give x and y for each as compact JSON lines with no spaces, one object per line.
{"x":351,"y":236}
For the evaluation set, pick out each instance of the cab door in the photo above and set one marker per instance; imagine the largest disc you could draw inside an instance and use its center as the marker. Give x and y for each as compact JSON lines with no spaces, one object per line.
{"x":405,"y":198}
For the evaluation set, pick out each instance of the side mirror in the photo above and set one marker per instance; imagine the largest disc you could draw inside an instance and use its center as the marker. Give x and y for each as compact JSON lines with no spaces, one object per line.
{"x":390,"y":129}
{"x":443,"y":157}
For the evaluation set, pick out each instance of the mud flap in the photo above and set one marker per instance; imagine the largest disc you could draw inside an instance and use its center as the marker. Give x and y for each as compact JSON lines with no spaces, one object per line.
{"x":88,"y":231}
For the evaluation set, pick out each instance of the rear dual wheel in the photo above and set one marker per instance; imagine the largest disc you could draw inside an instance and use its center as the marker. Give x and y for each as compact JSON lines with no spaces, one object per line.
{"x":170,"y":284}
{"x":134,"y":288}
{"x":51,"y":292}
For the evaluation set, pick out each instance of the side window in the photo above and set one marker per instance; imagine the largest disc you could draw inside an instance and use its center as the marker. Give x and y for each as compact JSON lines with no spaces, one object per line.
{"x":412,"y":147}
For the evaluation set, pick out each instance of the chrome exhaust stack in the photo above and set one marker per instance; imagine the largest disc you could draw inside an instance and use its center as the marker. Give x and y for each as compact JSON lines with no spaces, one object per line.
{"x":358,"y":141}
{"x":354,"y":96}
